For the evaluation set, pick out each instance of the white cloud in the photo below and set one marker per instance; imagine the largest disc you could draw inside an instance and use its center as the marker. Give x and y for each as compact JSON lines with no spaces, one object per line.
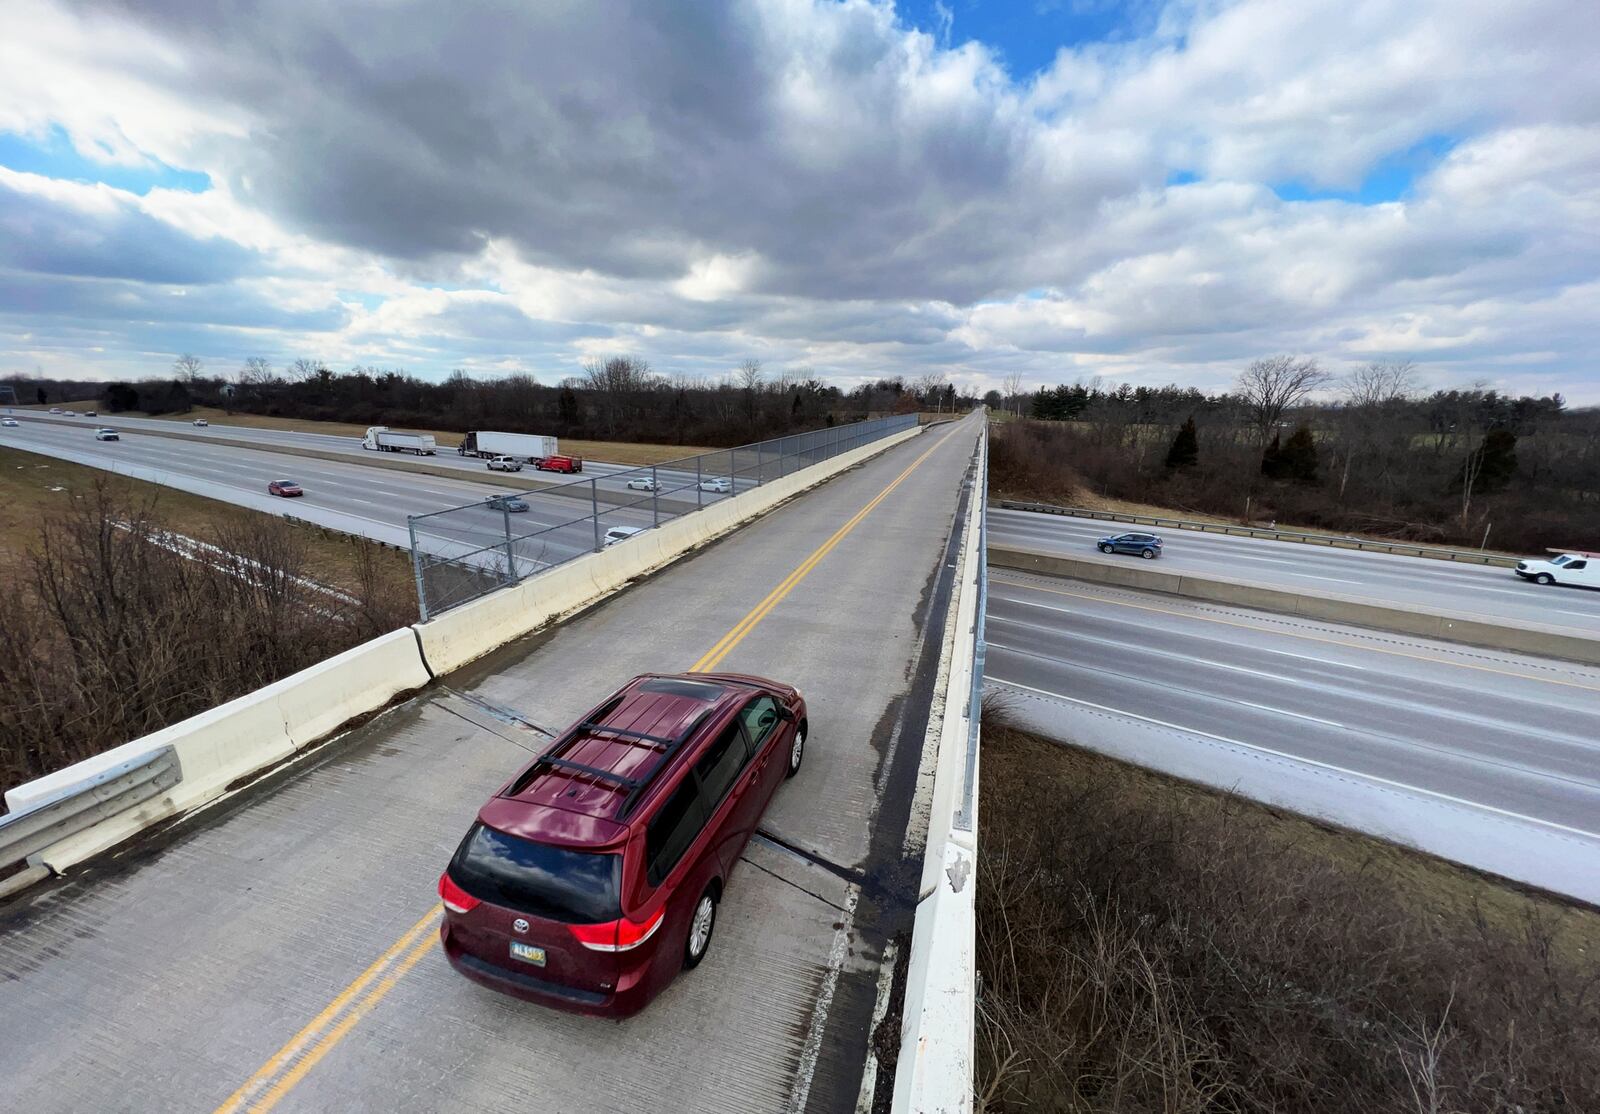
{"x":812,"y":182}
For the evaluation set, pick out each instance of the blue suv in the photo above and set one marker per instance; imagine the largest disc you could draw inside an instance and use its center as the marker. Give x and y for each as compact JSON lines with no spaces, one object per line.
{"x":1147,"y":546}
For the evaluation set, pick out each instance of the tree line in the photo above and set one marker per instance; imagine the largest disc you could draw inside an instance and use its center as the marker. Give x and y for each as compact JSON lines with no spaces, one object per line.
{"x":619,"y":398}
{"x":1370,"y":452}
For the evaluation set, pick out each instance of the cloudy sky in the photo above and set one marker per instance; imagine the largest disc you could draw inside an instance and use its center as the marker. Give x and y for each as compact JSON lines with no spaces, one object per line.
{"x":1054,"y":188}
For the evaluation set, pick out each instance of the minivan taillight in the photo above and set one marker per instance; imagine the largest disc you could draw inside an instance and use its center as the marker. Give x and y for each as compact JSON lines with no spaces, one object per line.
{"x":454,"y":897}
{"x":619,"y":935}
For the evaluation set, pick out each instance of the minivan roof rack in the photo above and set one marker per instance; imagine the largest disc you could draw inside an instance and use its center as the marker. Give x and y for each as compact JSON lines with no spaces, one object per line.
{"x":551,"y":759}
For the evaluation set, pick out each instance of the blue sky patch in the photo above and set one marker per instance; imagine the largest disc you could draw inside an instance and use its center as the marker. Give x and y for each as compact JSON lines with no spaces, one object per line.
{"x":55,"y":157}
{"x":1025,"y":33}
{"x":1390,"y":180}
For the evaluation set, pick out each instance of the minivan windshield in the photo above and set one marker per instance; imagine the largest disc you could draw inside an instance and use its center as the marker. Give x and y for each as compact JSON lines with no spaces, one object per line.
{"x":558,"y":884}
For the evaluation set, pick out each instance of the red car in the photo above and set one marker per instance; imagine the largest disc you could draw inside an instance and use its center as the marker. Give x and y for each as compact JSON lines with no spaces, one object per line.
{"x":284,"y":487}
{"x":567,"y":464}
{"x":593,"y":876}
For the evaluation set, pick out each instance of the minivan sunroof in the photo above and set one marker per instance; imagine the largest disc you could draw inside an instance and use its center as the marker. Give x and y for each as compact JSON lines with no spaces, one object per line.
{"x":694,"y":690}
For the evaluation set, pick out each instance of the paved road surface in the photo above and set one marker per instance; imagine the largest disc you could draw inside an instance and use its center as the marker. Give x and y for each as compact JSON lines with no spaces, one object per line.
{"x":1489,"y":758}
{"x":166,"y":981}
{"x":371,"y":501}
{"x":1418,"y":582}
{"x":446,"y":458}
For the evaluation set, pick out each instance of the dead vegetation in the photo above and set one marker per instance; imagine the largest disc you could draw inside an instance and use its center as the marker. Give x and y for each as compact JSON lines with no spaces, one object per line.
{"x":1146,"y":945}
{"x":111,"y":628}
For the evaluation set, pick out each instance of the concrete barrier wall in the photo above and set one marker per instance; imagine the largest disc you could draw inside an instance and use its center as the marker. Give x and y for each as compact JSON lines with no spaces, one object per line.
{"x":468,"y":632}
{"x":222,"y":747}
{"x":226,"y":744}
{"x":1545,"y":641}
{"x":936,"y":1066}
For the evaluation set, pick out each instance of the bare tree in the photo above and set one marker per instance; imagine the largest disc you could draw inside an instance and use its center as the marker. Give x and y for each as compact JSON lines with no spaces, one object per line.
{"x":254,"y":372}
{"x":615,"y":380}
{"x":1269,"y":387}
{"x":1013,"y":392}
{"x":187,"y":367}
{"x":1380,"y":384}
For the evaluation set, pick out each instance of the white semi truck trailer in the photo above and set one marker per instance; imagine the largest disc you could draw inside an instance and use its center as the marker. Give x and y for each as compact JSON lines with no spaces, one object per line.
{"x":384,"y":439}
{"x":529,"y":447}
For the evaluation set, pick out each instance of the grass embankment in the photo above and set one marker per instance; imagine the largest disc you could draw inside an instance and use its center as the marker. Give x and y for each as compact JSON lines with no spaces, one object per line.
{"x":1149,"y":945}
{"x":614,"y":452}
{"x":35,"y":487}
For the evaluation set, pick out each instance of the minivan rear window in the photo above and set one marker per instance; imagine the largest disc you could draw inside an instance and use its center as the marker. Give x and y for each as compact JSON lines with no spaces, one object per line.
{"x":558,"y":884}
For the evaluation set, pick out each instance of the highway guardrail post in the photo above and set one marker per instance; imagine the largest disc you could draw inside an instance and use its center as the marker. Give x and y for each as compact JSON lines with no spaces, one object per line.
{"x":416,"y":568}
{"x":511,"y":556}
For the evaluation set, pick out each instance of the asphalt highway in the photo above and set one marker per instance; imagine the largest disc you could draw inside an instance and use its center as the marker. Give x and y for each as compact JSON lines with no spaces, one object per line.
{"x":613,"y":476}
{"x":269,"y":953}
{"x":1488,"y":758}
{"x":371,"y":501}
{"x":1413,"y":582}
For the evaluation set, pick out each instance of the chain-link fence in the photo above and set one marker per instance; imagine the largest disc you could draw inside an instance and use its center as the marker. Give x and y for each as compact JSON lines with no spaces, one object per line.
{"x":465,"y":552}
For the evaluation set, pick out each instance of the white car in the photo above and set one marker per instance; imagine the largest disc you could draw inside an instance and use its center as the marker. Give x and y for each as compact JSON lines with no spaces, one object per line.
{"x":719,"y":485}
{"x":1581,"y":569}
{"x":55,"y":409}
{"x":106,"y":433}
{"x":201,"y":422}
{"x":8,"y":421}
{"x":69,"y":413}
{"x":641,"y":483}
{"x":620,"y":534}
{"x":505,"y":464}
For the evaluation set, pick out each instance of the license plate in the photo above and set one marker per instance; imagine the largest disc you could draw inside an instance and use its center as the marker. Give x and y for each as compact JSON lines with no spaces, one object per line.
{"x":527,"y":953}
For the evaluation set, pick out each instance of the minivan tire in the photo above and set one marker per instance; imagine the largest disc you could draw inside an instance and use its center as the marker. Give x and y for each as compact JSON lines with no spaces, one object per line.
{"x":702,"y":924}
{"x":1105,"y":549}
{"x":797,"y":750}
{"x":1148,"y":555}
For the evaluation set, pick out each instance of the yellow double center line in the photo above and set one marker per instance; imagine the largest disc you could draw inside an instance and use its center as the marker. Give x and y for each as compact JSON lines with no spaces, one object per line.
{"x":278,"y":1076}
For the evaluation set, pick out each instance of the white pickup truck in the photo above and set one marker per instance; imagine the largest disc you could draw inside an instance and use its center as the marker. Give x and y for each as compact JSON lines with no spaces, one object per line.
{"x":1579,"y":568}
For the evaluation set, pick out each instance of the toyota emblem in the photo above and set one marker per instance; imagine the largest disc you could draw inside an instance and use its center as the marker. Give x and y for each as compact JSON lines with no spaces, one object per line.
{"x":520,"y":925}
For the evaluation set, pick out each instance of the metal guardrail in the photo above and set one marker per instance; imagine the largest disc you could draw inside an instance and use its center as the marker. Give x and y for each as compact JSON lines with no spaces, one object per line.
{"x":1331,"y":541}
{"x":936,"y":1068}
{"x":79,"y":807}
{"x":461,"y":553}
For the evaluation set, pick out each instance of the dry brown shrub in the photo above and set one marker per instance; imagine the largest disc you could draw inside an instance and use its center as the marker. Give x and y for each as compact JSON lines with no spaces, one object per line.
{"x":1143,"y":948}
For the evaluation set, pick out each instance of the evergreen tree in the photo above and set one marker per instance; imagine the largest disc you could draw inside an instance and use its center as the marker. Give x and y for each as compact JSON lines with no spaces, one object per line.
{"x":1492,"y":464}
{"x":1298,"y":460}
{"x":1272,"y":460}
{"x":1185,"y":450}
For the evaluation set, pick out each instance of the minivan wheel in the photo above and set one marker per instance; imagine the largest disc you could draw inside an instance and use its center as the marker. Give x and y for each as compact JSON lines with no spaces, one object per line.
{"x":797,"y":750}
{"x":1148,"y":555}
{"x":1105,"y":549}
{"x":701,"y":925}
{"x":1544,"y":578}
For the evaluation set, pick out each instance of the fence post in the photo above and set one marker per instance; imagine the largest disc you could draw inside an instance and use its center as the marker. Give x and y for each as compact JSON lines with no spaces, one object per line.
{"x":733,"y":485}
{"x":511,"y":556}
{"x":758,"y":462}
{"x":699,"y":496}
{"x":416,"y":568}
{"x":655,"y":498}
{"x":594,"y":511}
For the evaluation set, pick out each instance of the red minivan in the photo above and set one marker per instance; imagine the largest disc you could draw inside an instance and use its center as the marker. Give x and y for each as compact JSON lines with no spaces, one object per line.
{"x":593,"y":876}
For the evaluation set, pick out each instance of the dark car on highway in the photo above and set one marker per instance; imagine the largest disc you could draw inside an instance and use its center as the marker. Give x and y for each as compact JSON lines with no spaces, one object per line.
{"x":284,"y":487}
{"x":508,"y":503}
{"x":592,"y":877}
{"x":1147,"y":546}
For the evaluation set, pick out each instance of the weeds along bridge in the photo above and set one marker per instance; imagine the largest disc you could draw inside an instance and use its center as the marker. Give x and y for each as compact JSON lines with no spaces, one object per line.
{"x":262,"y":933}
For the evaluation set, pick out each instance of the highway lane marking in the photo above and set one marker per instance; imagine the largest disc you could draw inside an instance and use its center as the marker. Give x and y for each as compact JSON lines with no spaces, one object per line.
{"x":264,"y":1089}
{"x":244,"y":1097}
{"x":727,"y":642}
{"x":1377,"y":778}
{"x":1302,"y":635}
